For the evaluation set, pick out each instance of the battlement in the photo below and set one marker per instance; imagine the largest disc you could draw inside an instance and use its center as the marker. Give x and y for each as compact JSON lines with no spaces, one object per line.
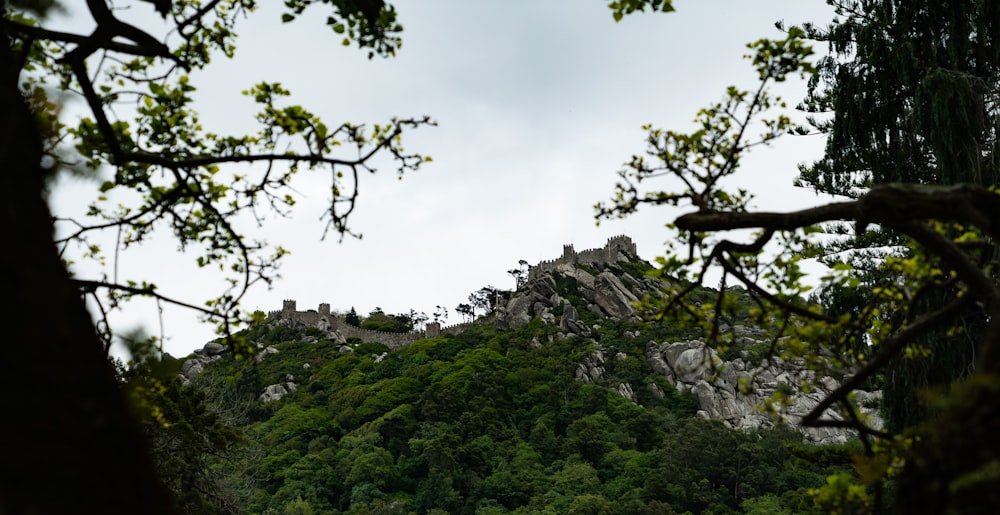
{"x":327,"y":321}
{"x":621,"y":243}
{"x":617,"y":248}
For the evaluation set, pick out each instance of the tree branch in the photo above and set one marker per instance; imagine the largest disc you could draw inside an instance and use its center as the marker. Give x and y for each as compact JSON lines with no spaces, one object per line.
{"x":85,"y":285}
{"x":889,"y":349}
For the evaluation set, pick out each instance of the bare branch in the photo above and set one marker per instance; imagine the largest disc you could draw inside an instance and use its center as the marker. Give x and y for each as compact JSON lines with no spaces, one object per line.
{"x":85,"y":285}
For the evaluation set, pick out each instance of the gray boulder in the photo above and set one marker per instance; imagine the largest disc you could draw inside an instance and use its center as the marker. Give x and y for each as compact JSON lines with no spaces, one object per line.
{"x":265,"y":352}
{"x":591,"y":370}
{"x":625,"y":390}
{"x":613,"y":297}
{"x":213,"y":348}
{"x":517,"y":311}
{"x":734,"y":392}
{"x":275,"y":392}
{"x":570,"y":321}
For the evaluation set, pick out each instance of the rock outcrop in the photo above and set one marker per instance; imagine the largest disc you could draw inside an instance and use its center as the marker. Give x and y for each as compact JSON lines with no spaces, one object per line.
{"x":194,"y":366}
{"x":275,"y":392}
{"x":734,"y":391}
{"x":609,"y":294}
{"x":596,"y":279}
{"x":213,"y":351}
{"x":614,"y":299}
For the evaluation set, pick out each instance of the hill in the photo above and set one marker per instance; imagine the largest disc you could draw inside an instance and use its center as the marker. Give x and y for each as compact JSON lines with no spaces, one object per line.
{"x":562,"y":399}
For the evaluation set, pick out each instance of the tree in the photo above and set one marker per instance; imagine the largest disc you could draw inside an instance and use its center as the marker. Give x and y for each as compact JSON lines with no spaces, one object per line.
{"x":910,"y":84}
{"x":467,"y":311}
{"x":485,"y":298}
{"x":77,"y":431}
{"x":378,"y":320}
{"x":167,"y":173}
{"x":419,"y":319}
{"x":520,"y":274}
{"x":440,"y":314}
{"x":911,"y":144}
{"x":352,"y":318}
{"x":184,"y":435}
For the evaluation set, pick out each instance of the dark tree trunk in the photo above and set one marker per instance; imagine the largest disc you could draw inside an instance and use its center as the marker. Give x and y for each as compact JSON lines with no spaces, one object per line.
{"x":67,"y":442}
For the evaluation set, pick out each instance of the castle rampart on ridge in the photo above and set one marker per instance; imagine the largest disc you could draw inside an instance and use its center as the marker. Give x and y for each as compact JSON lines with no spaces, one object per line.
{"x":618,"y":248}
{"x":325,"y":320}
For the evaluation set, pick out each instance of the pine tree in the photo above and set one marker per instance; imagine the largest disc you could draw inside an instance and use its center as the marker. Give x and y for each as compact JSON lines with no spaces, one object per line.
{"x":913,"y":87}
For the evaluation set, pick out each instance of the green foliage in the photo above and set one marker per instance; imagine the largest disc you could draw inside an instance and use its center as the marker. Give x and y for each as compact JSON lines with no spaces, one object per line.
{"x":636,"y":267}
{"x":187,"y":436}
{"x":351,"y":318}
{"x":486,"y":422}
{"x":372,"y":24}
{"x":380,"y":321}
{"x":158,"y":170}
{"x":767,"y":504}
{"x":622,"y":7}
{"x":908,"y":306}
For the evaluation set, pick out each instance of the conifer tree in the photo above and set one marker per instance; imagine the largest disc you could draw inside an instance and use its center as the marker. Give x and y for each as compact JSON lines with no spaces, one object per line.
{"x":912,"y":86}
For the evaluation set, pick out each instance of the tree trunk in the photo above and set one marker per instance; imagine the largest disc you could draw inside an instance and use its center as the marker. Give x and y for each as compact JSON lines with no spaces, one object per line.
{"x":67,"y":441}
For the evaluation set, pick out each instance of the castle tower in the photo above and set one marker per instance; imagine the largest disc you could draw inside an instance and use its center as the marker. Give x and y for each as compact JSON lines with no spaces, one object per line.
{"x":288,"y":306}
{"x":618,"y":244}
{"x":324,"y":309}
{"x":569,"y":254}
{"x":432,"y":330}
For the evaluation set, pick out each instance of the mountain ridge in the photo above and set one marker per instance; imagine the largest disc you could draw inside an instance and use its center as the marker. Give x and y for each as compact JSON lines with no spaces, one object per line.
{"x":577,"y":293}
{"x":564,"y":399}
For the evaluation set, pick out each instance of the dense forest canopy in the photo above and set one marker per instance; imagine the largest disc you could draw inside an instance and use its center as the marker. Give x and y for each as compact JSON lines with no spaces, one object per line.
{"x":492,"y":421}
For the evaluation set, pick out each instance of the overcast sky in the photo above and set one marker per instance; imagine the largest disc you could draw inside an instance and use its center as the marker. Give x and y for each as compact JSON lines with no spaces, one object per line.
{"x":539,"y":102}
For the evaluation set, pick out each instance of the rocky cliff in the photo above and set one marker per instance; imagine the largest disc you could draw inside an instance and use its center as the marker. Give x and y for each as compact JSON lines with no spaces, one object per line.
{"x":582,"y":294}
{"x":567,"y":293}
{"x":736,"y":391}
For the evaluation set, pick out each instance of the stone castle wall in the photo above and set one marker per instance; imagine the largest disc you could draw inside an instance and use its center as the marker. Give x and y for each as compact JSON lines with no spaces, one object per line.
{"x":391,"y":340}
{"x":323,"y":319}
{"x":618,"y":248}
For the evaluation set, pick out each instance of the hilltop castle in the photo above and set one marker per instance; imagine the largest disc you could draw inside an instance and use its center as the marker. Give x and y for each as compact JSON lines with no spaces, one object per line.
{"x":325,"y":320}
{"x":618,"y":248}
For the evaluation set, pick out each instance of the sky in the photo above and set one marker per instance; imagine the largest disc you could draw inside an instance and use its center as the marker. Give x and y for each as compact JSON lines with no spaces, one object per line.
{"x":538,"y":104}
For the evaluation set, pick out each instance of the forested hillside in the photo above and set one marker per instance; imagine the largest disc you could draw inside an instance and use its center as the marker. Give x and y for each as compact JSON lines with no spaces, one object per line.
{"x":495,"y":419}
{"x":487,"y":422}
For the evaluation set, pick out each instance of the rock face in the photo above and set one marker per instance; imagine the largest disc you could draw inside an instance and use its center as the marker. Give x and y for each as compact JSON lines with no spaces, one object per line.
{"x":614,"y":299}
{"x":599,"y":281}
{"x":194,"y":366}
{"x":606,"y":294}
{"x":275,"y":392}
{"x":733,"y":391}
